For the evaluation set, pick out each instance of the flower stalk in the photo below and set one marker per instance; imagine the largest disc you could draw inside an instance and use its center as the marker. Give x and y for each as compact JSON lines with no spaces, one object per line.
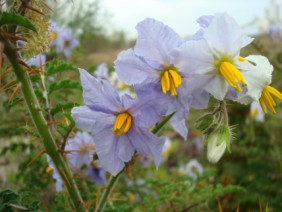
{"x":42,"y":126}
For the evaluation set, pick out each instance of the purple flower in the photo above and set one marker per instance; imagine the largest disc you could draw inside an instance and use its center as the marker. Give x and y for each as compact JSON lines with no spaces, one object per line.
{"x":97,"y":175}
{"x":119,"y":124}
{"x":62,"y":39}
{"x":81,"y":149}
{"x":56,"y":176}
{"x":102,"y":72}
{"x":38,"y":61}
{"x":150,"y":68}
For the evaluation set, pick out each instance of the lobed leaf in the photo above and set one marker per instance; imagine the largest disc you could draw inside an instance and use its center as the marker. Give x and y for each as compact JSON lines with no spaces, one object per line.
{"x":12,"y":18}
{"x":55,"y":67}
{"x":63,"y":85}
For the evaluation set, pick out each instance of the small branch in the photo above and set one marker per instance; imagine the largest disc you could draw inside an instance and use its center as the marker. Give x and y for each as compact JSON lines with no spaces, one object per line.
{"x":110,"y":187}
{"x":42,"y":127}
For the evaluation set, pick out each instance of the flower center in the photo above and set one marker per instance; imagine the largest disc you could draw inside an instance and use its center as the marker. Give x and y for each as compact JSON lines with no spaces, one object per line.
{"x":122,"y":123}
{"x":53,"y":35}
{"x":83,"y":148}
{"x":266,"y":99}
{"x":49,"y":170}
{"x":67,"y":44}
{"x":230,"y":73}
{"x":253,"y":113}
{"x":170,"y":80}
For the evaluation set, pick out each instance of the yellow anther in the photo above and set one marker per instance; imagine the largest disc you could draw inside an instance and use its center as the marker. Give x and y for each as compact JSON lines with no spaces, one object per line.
{"x":122,"y":123}
{"x":49,"y":170}
{"x":253,"y":113}
{"x":241,"y":59}
{"x":266,"y":100}
{"x":53,"y":35}
{"x":170,"y":80}
{"x":232,"y":75}
{"x":122,"y":86}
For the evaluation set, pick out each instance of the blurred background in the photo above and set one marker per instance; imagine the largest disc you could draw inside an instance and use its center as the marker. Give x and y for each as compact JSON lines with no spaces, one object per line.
{"x":248,"y":179}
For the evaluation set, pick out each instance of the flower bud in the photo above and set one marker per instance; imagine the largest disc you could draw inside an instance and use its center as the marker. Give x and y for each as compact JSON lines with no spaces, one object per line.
{"x":217,"y":142}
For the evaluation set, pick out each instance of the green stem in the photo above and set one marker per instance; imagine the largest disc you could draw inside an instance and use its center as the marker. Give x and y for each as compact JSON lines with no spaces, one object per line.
{"x":113,"y":179}
{"x":161,"y":123}
{"x":42,"y":126}
{"x":110,"y":187}
{"x":224,"y":111}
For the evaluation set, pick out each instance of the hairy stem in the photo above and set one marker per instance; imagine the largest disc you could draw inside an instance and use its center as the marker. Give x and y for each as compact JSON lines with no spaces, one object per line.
{"x":113,"y":179}
{"x":42,"y":127}
{"x":224,"y":111}
{"x":110,"y":187}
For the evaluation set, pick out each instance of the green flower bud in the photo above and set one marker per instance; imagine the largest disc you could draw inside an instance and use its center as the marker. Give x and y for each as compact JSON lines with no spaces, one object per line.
{"x":217,"y":142}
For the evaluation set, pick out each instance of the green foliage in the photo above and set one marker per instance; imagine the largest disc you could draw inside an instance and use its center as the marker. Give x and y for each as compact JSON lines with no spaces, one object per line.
{"x":63,"y":107}
{"x":13,"y":18}
{"x":55,"y":67}
{"x":10,"y":201}
{"x":64,"y":84}
{"x":10,"y":104}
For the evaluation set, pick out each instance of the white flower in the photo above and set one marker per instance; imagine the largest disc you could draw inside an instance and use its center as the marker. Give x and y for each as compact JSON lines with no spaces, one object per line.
{"x":258,"y":77}
{"x":256,"y":112}
{"x":215,"y":58}
{"x":194,"y":169}
{"x":167,"y":148}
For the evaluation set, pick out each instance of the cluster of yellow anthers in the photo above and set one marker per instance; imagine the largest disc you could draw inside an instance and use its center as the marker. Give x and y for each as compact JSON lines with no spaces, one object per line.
{"x":230,"y":73}
{"x":266,"y":99}
{"x":122,"y":123}
{"x":170,"y":80}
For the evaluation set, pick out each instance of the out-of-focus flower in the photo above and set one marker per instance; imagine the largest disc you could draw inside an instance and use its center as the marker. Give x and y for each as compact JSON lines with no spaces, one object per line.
{"x":120,"y":124}
{"x":154,"y":70}
{"x":274,"y":31}
{"x":56,"y":176}
{"x":96,"y":174}
{"x":62,"y":39}
{"x":256,"y":112}
{"x":80,"y":149}
{"x":215,"y":57}
{"x":192,"y":169}
{"x":167,"y":149}
{"x":258,"y":78}
{"x":38,"y":61}
{"x":102,"y":72}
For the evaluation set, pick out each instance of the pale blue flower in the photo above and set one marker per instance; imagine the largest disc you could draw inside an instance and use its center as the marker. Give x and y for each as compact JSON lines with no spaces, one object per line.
{"x":151,"y":69}
{"x":119,"y":124}
{"x":62,"y":39}
{"x":55,"y":174}
{"x":102,"y":72}
{"x":38,"y":61}
{"x":80,"y":149}
{"x":97,"y":175}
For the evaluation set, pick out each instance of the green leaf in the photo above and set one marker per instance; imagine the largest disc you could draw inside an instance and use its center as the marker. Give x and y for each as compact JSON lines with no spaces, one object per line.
{"x":55,"y":67}
{"x":63,"y":106}
{"x":14,"y":102}
{"x":64,"y":84}
{"x":7,"y":197}
{"x":12,"y":18}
